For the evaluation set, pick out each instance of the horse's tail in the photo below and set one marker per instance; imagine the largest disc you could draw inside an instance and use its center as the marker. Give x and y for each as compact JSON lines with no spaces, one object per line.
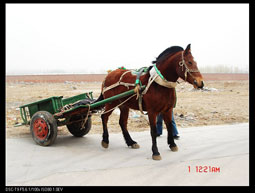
{"x":100,"y":98}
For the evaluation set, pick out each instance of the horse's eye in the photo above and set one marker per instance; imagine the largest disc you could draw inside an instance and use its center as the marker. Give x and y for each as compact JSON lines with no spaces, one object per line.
{"x":190,"y":63}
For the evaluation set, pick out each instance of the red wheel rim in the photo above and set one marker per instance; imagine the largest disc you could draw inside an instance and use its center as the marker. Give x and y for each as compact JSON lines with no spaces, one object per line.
{"x":40,"y":129}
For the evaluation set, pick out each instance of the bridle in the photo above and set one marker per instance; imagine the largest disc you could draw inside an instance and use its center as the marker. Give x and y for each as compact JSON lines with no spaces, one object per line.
{"x":155,"y":75}
{"x":187,"y":70}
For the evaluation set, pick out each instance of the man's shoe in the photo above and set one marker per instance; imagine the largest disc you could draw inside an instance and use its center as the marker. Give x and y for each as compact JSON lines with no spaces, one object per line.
{"x":176,"y":137}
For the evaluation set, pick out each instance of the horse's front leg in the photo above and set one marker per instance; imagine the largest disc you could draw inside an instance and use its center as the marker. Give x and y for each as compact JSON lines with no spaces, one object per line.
{"x":167,"y":116}
{"x":152,"y":120}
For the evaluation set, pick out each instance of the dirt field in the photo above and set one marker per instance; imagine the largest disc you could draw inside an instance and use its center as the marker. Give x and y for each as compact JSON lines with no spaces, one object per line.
{"x":100,"y":77}
{"x":225,"y":100}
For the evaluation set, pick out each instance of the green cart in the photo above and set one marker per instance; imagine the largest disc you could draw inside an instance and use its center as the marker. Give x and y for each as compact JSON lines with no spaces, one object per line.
{"x":42,"y":118}
{"x":75,"y":112}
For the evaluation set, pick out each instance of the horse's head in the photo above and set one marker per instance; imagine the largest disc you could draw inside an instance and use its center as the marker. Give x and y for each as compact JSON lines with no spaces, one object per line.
{"x":187,"y":69}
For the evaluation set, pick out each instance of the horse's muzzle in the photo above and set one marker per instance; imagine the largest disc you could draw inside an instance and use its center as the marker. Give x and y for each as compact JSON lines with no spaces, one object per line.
{"x":199,"y":85}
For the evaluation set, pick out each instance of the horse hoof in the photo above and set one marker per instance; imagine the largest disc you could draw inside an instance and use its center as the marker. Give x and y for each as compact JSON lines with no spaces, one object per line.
{"x":104,"y":144}
{"x":135,"y":146}
{"x":175,"y":148}
{"x":156,"y":157}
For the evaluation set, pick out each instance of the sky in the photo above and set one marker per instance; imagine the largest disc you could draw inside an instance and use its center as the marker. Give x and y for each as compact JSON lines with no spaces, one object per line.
{"x":94,"y":38}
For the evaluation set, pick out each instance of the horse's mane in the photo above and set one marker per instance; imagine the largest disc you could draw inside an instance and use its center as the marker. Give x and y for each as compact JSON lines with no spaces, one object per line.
{"x":167,"y":52}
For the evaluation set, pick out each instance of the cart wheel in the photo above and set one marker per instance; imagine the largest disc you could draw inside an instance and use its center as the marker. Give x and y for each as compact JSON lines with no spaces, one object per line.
{"x":44,"y":128}
{"x":75,"y":128}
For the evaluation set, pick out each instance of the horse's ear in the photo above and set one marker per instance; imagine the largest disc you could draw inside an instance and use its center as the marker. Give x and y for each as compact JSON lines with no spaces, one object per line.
{"x":187,"y":49}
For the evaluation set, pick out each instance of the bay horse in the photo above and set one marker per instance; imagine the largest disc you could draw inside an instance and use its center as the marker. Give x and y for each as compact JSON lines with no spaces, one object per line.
{"x":172,"y":63}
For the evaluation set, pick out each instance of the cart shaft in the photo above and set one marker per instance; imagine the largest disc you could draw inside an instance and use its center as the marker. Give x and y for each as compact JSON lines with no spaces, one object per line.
{"x":113,"y":98}
{"x":83,"y":109}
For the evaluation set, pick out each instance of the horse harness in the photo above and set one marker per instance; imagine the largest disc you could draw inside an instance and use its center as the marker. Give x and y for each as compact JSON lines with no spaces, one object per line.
{"x":155,"y":75}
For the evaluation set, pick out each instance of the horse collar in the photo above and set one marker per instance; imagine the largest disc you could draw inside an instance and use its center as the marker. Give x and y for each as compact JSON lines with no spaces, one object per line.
{"x":160,"y":79}
{"x":158,"y":72}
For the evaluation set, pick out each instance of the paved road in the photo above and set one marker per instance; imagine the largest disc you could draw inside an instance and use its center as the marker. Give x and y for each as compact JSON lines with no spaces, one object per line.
{"x":74,"y":161}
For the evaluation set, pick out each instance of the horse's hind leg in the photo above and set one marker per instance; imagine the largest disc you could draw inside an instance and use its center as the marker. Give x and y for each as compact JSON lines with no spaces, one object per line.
{"x":124,"y":111}
{"x":105,"y":117}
